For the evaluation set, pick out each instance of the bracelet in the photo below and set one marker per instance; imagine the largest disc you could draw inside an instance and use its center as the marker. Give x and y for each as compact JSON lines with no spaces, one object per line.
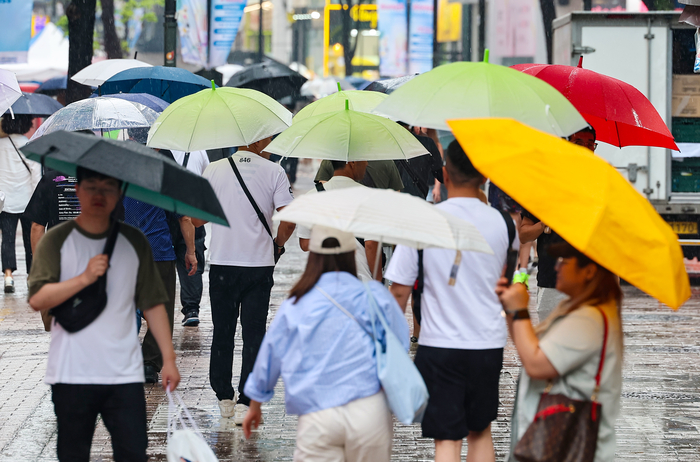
{"x":521,"y":314}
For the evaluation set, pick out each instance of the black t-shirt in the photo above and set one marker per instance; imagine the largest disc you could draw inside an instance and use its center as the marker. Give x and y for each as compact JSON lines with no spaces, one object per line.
{"x":54,"y":200}
{"x":546,"y":274}
{"x":419,"y":174}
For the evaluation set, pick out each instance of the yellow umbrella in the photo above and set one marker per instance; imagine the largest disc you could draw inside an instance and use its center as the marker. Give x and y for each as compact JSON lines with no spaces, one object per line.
{"x":584,"y":199}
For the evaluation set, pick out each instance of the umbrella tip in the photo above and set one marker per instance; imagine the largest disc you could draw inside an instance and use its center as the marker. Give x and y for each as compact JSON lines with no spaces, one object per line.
{"x":339,"y":88}
{"x":347,"y":104}
{"x":486,"y":55}
{"x":580,"y":62}
{"x":213,"y":86}
{"x":136,"y":53}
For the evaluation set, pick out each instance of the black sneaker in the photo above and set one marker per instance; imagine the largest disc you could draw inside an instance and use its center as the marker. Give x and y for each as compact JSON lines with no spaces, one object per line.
{"x":151,"y":373}
{"x":191,"y":319}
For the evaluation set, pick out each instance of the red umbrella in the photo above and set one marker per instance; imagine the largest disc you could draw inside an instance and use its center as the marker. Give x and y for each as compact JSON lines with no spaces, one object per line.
{"x":620,"y":114}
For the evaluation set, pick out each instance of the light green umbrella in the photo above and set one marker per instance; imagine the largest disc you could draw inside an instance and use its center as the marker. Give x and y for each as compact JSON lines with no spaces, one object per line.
{"x":467,"y":90}
{"x":347,"y":135}
{"x":360,"y":101}
{"x":218,"y":118}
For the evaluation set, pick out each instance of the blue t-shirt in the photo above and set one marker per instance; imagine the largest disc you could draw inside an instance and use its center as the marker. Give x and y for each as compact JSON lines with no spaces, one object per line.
{"x":153,"y":222}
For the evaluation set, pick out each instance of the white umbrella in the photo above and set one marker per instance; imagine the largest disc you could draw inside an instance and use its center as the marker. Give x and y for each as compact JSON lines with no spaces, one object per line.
{"x":385,"y":216}
{"x":102,"y":113}
{"x":9,"y":90}
{"x":324,"y":86}
{"x":349,"y":136}
{"x":97,"y":73}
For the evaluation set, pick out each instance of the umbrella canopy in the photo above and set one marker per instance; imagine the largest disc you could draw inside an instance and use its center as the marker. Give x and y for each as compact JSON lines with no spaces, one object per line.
{"x":167,"y":83}
{"x":97,"y":73}
{"x":150,"y":101}
{"x":389,"y":85}
{"x":150,"y":177}
{"x":98,"y":114}
{"x":53,"y":86}
{"x":349,"y":136}
{"x":467,"y":90}
{"x":584,"y":199}
{"x":380,"y":215}
{"x":9,"y":90}
{"x":324,"y":86}
{"x":272,"y":78}
{"x":620,"y":114}
{"x":360,"y":101}
{"x":36,"y":105}
{"x":218,"y":118}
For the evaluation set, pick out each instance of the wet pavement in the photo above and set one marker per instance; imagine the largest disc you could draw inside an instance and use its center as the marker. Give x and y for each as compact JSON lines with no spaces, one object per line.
{"x":660,"y":418}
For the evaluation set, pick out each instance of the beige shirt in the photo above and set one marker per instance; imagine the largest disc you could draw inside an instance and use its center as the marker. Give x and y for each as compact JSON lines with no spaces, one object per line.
{"x":573,"y":345}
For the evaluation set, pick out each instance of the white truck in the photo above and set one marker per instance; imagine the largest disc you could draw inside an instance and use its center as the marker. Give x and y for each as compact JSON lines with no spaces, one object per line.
{"x":655,"y":53}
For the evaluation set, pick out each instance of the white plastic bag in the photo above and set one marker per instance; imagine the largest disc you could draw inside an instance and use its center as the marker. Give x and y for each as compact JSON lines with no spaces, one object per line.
{"x":185,"y":444}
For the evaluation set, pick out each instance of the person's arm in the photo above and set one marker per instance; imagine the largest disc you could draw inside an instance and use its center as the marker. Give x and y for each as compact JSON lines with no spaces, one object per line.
{"x":436,"y":192}
{"x":371,"y":249}
{"x":252,"y":418}
{"x":284,"y":231}
{"x":159,"y":326}
{"x":187,"y":229}
{"x":529,"y":230}
{"x":55,"y":293}
{"x":515,"y":298}
{"x":37,"y":233}
{"x":304,"y":244}
{"x":196,"y":222}
{"x":400,"y":293}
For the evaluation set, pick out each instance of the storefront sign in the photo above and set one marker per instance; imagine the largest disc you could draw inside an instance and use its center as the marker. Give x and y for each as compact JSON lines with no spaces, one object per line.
{"x":15,"y":30}
{"x":420,"y":47}
{"x":392,"y":37}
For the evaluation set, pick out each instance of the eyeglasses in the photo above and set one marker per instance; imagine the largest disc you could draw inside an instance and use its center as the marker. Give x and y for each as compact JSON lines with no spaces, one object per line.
{"x":94,"y":191}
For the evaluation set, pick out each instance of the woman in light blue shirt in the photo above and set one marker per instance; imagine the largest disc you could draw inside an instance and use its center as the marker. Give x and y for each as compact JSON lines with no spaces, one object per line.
{"x":327,"y":359}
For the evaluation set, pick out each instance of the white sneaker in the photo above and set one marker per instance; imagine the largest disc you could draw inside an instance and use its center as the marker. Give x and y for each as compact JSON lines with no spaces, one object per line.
{"x":239,"y":414}
{"x":227,"y":407}
{"x":9,"y":285}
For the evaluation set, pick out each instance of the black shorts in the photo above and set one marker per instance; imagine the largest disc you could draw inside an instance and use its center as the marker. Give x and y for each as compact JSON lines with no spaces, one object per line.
{"x":463,"y":387}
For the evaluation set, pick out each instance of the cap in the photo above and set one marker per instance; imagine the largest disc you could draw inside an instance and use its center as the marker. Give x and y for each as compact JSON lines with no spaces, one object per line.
{"x":320,"y":233}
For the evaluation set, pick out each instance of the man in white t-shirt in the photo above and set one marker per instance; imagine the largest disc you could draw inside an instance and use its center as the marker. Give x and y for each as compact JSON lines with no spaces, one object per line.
{"x":191,"y":286}
{"x":99,"y":369}
{"x":242,"y":260}
{"x":346,"y":175}
{"x":463,"y":331}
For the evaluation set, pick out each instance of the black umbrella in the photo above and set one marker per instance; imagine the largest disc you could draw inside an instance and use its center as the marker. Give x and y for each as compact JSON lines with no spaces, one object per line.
{"x":272,"y":78}
{"x":389,"y":85}
{"x":148,"y":176}
{"x":35,"y":105}
{"x":53,"y":86}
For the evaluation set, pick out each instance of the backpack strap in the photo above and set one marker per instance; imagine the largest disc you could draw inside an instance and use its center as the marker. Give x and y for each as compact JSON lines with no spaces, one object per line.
{"x":319,"y":187}
{"x":511,"y":228}
{"x":261,"y":217}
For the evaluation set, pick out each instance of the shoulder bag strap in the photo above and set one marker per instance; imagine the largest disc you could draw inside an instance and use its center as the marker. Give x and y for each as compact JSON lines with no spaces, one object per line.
{"x":511,"y":228}
{"x":601,"y":363}
{"x":9,"y":137}
{"x":341,"y":308}
{"x":319,"y":187}
{"x":111,"y":240}
{"x":250,"y":197}
{"x":187,"y":159}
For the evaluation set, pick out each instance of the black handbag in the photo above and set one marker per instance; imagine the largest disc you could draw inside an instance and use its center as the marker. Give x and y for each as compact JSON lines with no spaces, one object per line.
{"x":83,"y":308}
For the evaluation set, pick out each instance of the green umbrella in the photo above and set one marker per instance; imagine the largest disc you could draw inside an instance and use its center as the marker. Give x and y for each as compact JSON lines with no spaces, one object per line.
{"x":218,"y":118}
{"x":349,"y":136}
{"x":360,"y":101}
{"x":467,"y":90}
{"x":147,"y":175}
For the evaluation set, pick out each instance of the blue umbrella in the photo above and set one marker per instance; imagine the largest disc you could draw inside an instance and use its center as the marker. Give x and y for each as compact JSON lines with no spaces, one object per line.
{"x":35,"y":105}
{"x":150,"y":101}
{"x":167,"y":83}
{"x":53,"y":86}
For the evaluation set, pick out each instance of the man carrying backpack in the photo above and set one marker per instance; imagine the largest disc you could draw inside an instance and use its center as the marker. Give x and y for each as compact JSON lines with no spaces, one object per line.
{"x":463,"y":332}
{"x":98,"y":369}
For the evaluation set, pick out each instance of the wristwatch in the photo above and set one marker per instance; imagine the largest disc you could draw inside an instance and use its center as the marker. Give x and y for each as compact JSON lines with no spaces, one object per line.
{"x":521,"y":313}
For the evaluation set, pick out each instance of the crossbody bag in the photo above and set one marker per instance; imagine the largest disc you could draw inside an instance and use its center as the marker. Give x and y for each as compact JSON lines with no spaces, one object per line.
{"x":564,"y":429}
{"x":278,"y":251}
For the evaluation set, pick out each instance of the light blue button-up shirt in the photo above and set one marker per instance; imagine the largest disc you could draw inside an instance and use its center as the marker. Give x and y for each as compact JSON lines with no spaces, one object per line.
{"x":325,"y":358}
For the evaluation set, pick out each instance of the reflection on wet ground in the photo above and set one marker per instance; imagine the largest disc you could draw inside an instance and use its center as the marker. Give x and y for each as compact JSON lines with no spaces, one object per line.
{"x":660,"y":418}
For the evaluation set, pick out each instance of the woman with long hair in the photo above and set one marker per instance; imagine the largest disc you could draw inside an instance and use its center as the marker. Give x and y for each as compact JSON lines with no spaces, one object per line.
{"x":563,"y":352}
{"x":321,"y":343}
{"x":18,"y":178}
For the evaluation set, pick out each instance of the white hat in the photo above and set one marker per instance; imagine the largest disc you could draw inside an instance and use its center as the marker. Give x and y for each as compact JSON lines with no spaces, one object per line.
{"x":320,"y":233}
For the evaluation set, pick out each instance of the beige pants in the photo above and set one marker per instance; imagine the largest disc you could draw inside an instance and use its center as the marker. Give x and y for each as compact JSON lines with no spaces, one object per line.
{"x":360,"y":430}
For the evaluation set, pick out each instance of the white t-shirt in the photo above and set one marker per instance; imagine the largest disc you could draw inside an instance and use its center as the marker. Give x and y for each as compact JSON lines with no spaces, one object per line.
{"x":15,"y":180}
{"x":468,"y":315}
{"x":246,"y":242}
{"x":341,"y":182}
{"x":197,"y":162}
{"x":107,"y":351}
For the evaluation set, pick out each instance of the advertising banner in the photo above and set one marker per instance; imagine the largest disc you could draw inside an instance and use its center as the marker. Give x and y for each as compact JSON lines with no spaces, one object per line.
{"x":192,"y":25}
{"x":226,"y":17}
{"x":420,"y":47}
{"x":15,"y":30}
{"x":392,"y":25}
